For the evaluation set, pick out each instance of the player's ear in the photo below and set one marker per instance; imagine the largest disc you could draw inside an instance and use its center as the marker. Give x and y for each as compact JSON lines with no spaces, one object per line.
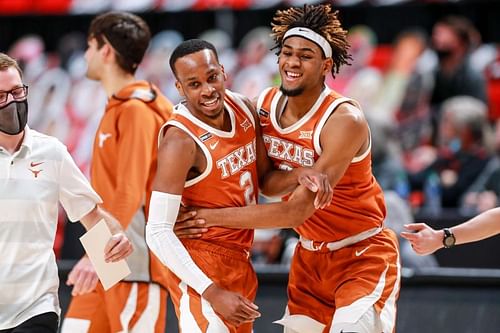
{"x":327,"y":66}
{"x":179,"y":88}
{"x":107,"y":52}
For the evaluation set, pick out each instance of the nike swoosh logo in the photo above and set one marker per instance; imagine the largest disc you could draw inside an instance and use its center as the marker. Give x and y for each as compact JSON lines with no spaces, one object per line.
{"x":33,"y":164}
{"x":214,"y":145}
{"x":358,"y":253}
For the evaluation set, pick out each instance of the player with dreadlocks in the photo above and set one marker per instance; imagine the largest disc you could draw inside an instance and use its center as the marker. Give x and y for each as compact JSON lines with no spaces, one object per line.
{"x":345,"y":273}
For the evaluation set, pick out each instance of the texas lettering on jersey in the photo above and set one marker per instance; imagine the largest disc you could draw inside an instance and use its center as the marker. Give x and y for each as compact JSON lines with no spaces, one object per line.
{"x":288,"y":151}
{"x":237,"y":159}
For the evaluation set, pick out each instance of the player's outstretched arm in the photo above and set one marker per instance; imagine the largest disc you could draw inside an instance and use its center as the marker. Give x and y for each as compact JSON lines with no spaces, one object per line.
{"x":425,"y":240}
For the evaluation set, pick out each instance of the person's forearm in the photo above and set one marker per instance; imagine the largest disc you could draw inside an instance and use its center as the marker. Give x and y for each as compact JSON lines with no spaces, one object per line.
{"x":289,"y":214}
{"x":278,"y":182}
{"x":480,"y":227}
{"x":97,"y":214}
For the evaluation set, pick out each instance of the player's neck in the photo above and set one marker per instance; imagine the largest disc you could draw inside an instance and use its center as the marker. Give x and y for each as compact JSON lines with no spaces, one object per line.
{"x":11,"y":143}
{"x":114,"y":81}
{"x":222,"y":122}
{"x":298,"y":106}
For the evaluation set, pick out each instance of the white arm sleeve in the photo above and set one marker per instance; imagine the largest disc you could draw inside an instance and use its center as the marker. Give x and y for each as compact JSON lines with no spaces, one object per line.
{"x":161,"y":239}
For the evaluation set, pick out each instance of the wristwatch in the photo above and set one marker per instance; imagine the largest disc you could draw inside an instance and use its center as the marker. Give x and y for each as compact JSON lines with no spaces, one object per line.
{"x":448,"y":238}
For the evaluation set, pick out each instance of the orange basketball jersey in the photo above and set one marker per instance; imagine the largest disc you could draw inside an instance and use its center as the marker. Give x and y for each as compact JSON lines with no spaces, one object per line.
{"x":358,"y":203}
{"x":230,"y":179}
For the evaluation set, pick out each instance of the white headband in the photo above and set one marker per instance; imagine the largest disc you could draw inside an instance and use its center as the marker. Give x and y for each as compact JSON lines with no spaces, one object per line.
{"x":313,"y":37}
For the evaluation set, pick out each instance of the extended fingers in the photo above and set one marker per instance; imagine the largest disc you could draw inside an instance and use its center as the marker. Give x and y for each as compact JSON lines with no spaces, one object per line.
{"x":85,"y":281}
{"x":415,"y":226}
{"x":117,"y":248}
{"x":190,"y":228}
{"x":310,"y":182}
{"x":250,"y":309}
{"x":185,"y":215}
{"x":324,"y":194}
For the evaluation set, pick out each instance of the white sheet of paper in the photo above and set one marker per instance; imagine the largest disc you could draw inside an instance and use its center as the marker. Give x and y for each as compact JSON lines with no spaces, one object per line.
{"x":94,"y":242}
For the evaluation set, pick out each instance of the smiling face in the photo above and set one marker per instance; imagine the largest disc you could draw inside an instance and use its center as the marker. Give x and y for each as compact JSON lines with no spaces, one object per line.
{"x":302,"y":66}
{"x":200,"y":80}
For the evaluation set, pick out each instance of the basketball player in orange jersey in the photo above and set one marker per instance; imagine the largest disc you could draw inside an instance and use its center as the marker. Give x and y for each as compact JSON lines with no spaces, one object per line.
{"x":345,"y":274}
{"x":210,"y":151}
{"x":122,"y":173}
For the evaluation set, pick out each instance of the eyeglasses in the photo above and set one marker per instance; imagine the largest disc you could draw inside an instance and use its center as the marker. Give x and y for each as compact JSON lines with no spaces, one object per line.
{"x":18,"y":94}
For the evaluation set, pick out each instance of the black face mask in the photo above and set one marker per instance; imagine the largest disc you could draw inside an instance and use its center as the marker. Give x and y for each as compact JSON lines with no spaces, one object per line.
{"x":444,"y":54}
{"x":13,"y":117}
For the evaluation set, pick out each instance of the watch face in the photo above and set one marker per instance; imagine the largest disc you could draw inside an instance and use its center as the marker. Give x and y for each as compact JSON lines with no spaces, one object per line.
{"x":449,"y":241}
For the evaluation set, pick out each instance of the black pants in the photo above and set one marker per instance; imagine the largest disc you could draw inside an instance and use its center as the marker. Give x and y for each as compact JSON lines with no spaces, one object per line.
{"x":43,"y":323}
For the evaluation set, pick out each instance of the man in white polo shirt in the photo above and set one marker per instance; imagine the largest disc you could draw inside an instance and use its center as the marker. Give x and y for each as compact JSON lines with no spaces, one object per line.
{"x":36,"y":174}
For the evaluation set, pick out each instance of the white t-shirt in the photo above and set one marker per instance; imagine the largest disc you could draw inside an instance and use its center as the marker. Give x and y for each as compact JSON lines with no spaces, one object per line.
{"x":33,"y":181}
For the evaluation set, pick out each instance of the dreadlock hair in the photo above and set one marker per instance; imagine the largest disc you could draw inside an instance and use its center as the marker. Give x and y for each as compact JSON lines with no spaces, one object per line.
{"x":322,"y":20}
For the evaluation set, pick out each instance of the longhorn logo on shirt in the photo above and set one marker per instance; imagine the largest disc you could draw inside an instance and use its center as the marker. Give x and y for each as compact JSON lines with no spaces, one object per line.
{"x":237,"y":159}
{"x":34,"y":165}
{"x":103,"y":137}
{"x":289,"y":151}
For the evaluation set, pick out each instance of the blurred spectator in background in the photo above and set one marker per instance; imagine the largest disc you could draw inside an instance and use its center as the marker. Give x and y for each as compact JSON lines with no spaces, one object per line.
{"x":484,"y":193}
{"x":398,"y":215}
{"x":359,"y":80}
{"x":257,"y":63}
{"x":227,"y":54}
{"x":387,"y":164}
{"x":155,"y":67}
{"x":461,"y":156}
{"x":453,"y":38}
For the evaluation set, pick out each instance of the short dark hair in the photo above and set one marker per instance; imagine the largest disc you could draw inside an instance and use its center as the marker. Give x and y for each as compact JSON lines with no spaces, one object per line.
{"x":127,"y":33}
{"x":6,"y":62}
{"x":188,"y":47}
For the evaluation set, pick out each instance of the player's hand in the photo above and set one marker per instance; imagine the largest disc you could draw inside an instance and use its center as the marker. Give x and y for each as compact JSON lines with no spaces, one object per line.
{"x":118,"y":247}
{"x":187,"y":225}
{"x":82,"y":277}
{"x":424,"y":240}
{"x":318,"y":183}
{"x":233,"y":307}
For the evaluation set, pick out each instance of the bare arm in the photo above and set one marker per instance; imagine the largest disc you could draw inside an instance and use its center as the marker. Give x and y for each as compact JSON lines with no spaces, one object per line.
{"x":350,"y":140}
{"x":425,"y":240}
